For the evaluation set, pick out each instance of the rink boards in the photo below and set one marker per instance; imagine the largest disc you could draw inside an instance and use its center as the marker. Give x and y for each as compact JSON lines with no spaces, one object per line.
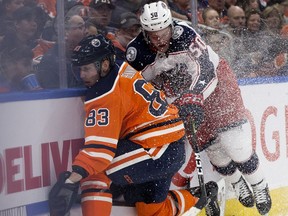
{"x":42,"y":132}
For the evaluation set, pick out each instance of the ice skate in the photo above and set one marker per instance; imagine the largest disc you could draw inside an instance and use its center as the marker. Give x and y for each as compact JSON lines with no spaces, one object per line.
{"x":262,"y":197}
{"x":243,"y":193}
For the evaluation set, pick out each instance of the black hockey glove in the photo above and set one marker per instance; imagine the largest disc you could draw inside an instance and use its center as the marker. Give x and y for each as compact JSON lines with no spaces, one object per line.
{"x":62,"y":196}
{"x":191,"y":106}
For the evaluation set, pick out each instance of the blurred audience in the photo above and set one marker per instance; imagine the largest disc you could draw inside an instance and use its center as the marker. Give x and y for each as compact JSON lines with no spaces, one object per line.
{"x":229,"y":3}
{"x":255,"y":61}
{"x":101,"y":12}
{"x":128,"y":28}
{"x":16,"y":71}
{"x":91,"y":27}
{"x":181,"y":9}
{"x":23,"y":29}
{"x":49,"y":6}
{"x":249,"y":55}
{"x":284,"y":7}
{"x":211,"y":18}
{"x":236,"y":21}
{"x":273,"y":20}
{"x":250,"y":34}
{"x":48,"y":69}
{"x":250,"y":4}
{"x":219,"y":6}
{"x":220,"y":41}
{"x":122,"y":6}
{"x":281,"y":60}
{"x":7,"y":8}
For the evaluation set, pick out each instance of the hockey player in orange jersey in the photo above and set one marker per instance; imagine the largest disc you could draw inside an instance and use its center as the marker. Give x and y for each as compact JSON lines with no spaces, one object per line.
{"x":133,"y":138}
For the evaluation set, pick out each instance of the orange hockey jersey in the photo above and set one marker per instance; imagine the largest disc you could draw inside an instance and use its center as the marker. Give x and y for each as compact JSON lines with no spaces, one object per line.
{"x":123,"y":105}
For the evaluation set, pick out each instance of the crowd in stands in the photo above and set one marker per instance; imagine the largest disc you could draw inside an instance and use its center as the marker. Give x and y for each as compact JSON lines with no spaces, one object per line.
{"x":252,"y":35}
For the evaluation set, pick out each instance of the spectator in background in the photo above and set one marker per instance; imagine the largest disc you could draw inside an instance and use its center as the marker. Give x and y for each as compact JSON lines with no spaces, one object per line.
{"x":48,"y":69}
{"x":8,"y":7}
{"x":273,"y":20}
{"x":219,"y":6}
{"x":122,"y":6}
{"x":16,"y":73}
{"x":248,"y":62}
{"x":249,"y":5}
{"x":221,"y":42}
{"x":254,"y":61}
{"x":236,"y":21}
{"x":276,"y":38}
{"x":91,"y":27}
{"x":42,"y":17}
{"x":284,"y":6}
{"x":211,"y":18}
{"x":49,"y":31}
{"x":129,"y":27}
{"x":72,"y":7}
{"x":49,"y":6}
{"x":101,"y":12}
{"x":182,"y":8}
{"x":281,"y":60}
{"x":229,"y":3}
{"x":23,"y":31}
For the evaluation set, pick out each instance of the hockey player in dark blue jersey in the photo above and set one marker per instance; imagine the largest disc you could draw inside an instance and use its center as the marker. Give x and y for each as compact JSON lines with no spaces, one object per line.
{"x":174,"y":58}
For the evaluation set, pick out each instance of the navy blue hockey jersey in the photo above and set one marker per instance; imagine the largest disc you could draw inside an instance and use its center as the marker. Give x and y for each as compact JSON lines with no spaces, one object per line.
{"x":188,"y":64}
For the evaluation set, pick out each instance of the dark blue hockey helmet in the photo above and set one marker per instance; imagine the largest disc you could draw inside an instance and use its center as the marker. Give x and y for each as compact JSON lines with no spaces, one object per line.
{"x":93,"y":49}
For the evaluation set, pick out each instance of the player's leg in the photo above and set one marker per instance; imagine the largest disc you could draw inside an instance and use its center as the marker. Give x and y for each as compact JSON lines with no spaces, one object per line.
{"x":238,"y":145}
{"x":147,"y":180}
{"x":157,"y":200}
{"x":181,"y":179}
{"x":96,"y":198}
{"x":226,"y":167}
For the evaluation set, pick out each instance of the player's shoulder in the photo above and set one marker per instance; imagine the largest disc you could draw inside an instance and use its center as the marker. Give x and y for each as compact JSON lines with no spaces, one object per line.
{"x":138,"y":53}
{"x":182,"y":31}
{"x":138,"y":41}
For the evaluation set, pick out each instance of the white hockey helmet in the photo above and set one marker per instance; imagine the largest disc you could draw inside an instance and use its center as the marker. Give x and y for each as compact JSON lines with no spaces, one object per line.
{"x":155,"y":16}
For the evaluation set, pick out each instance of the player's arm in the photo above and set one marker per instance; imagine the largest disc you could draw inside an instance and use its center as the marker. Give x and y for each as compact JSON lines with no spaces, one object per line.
{"x":191,"y":101}
{"x":95,"y":156}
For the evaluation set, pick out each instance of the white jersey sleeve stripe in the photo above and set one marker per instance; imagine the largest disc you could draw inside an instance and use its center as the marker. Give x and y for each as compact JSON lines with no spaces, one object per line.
{"x":96,"y":198}
{"x":158,"y":133}
{"x":101,"y":139}
{"x":99,"y":155}
{"x":127,"y":164}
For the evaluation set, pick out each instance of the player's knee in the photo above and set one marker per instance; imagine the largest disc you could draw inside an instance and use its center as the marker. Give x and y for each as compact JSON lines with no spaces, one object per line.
{"x":249,"y":166}
{"x":226,"y":170}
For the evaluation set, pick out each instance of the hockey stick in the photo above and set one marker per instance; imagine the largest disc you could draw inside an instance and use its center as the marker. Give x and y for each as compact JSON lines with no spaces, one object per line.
{"x":193,"y":142}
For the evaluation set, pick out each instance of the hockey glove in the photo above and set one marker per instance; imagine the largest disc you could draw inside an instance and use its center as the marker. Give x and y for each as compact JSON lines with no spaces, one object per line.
{"x":191,"y":106}
{"x":62,"y":196}
{"x":209,"y":199}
